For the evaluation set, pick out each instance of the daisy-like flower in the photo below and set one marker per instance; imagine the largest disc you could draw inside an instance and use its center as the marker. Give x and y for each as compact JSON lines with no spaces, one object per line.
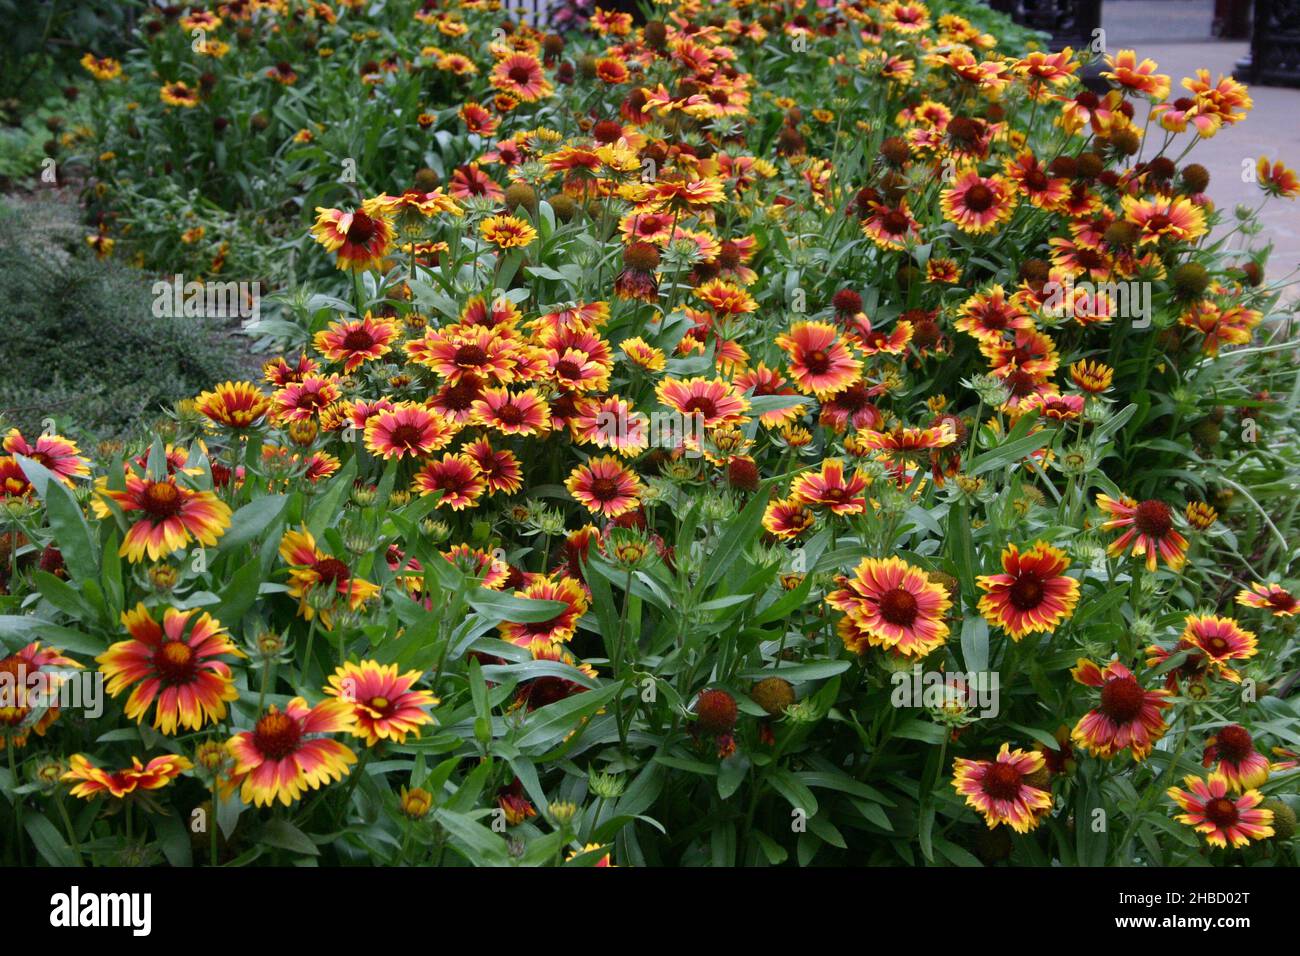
{"x":1164,"y":217}
{"x":407,"y":429}
{"x":384,"y":706}
{"x":787,"y":518}
{"x":1221,"y":818}
{"x":310,"y":569}
{"x":284,"y":755}
{"x":997,"y":789}
{"x":1091,"y":377}
{"x":1200,"y":515}
{"x":521,"y":75}
{"x":358,"y":239}
{"x":236,"y":405}
{"x":978,"y":204}
{"x":1273,"y":598}
{"x":472,"y":350}
{"x":1032,"y":594}
{"x":511,"y":413}
{"x":1128,"y":718}
{"x":178,"y":94}
{"x":1276,"y":179}
{"x":557,"y":629}
{"x":1127,"y":73}
{"x":1238,"y":761}
{"x":101,"y":68}
{"x":60,"y":455}
{"x":455,"y":476}
{"x":716,"y":400}
{"x":890,"y":227}
{"x":820,"y":362}
{"x":1148,"y":527}
{"x":507,"y":232}
{"x":610,"y":423}
{"x":167,"y":516}
{"x":177,"y":670}
{"x":889,"y":603}
{"x":1221,"y":639}
{"x":990,"y":314}
{"x":354,"y":342}
{"x":92,"y":781}
{"x":605,"y":486}
{"x":830,"y":488}
{"x":33,"y":674}
{"x":299,"y":401}
{"x":499,"y":467}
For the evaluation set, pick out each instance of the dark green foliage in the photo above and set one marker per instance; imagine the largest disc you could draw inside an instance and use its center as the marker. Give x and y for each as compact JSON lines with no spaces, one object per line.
{"x":81,"y":343}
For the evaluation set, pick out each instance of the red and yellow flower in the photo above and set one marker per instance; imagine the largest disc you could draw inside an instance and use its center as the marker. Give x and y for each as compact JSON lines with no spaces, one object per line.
{"x":1210,"y":810}
{"x":92,"y":781}
{"x":1032,"y":594}
{"x":286,"y":754}
{"x":1148,"y":529}
{"x":999,"y":791}
{"x":178,"y":671}
{"x":167,"y":516}
{"x":1233,"y":749}
{"x":892,"y":604}
{"x":605,"y":486}
{"x":384,"y":706}
{"x":1129,"y":717}
{"x":311,"y":569}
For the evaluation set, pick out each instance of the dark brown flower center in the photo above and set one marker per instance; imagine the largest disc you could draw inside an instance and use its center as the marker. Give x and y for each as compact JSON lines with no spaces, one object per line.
{"x":471,"y":355}
{"x":1002,"y":781}
{"x":362,"y":229}
{"x":276,"y":736}
{"x":1122,"y":699}
{"x":358,"y":340}
{"x":604,"y":489}
{"x":898,"y":607}
{"x":1158,"y":222}
{"x":1234,"y":743}
{"x":510,"y":415}
{"x":1153,"y":518}
{"x":1221,"y":811}
{"x":702,"y":404}
{"x":162,"y":500}
{"x":818,"y":362}
{"x":520,"y":74}
{"x":894,"y":222}
{"x":1027,"y":592}
{"x":406,"y":436}
{"x":979,"y":198}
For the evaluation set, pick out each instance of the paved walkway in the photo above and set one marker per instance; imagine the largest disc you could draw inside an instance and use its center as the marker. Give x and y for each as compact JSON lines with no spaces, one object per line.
{"x":1175,"y":33}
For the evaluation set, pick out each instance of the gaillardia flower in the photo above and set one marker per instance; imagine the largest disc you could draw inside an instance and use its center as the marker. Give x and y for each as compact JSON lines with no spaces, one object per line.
{"x":234,"y":405}
{"x":1221,"y":818}
{"x":283,"y":756}
{"x":359,"y":240}
{"x":1273,"y":598}
{"x":1148,"y":528}
{"x":311,"y":569}
{"x":170,"y":516}
{"x":1128,"y":718}
{"x":1033,"y":593}
{"x":1233,"y":749}
{"x":891,"y":604}
{"x":91,"y":781}
{"x":384,"y":705}
{"x":177,"y":670}
{"x":998,"y":789}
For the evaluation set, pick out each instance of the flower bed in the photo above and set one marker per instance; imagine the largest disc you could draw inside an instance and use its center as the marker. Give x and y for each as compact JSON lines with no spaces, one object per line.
{"x":770,"y":435}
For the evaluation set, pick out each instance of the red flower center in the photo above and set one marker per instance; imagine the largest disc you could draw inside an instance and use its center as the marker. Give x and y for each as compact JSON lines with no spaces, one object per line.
{"x":1027,"y":592}
{"x":1153,"y":518}
{"x":520,"y":74}
{"x":1002,"y":781}
{"x":898,"y":607}
{"x":1122,"y":699}
{"x":174,"y":661}
{"x":330,"y":570}
{"x":1281,"y":600}
{"x":1234,"y":743}
{"x":1222,"y":812}
{"x":567,"y":369}
{"x":162,"y":500}
{"x":362,"y":229}
{"x":979,"y":198}
{"x":276,"y":736}
{"x":1158,"y":222}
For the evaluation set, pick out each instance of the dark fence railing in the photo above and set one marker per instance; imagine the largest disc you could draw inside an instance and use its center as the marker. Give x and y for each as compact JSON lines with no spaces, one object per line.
{"x":1274,"y":58}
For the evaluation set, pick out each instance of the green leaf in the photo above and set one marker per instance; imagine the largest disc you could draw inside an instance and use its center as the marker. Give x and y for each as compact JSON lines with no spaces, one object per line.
{"x":71,"y":532}
{"x":547,"y":724}
{"x":250,"y":521}
{"x":484,"y":846}
{"x":49,"y":842}
{"x":283,"y":834}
